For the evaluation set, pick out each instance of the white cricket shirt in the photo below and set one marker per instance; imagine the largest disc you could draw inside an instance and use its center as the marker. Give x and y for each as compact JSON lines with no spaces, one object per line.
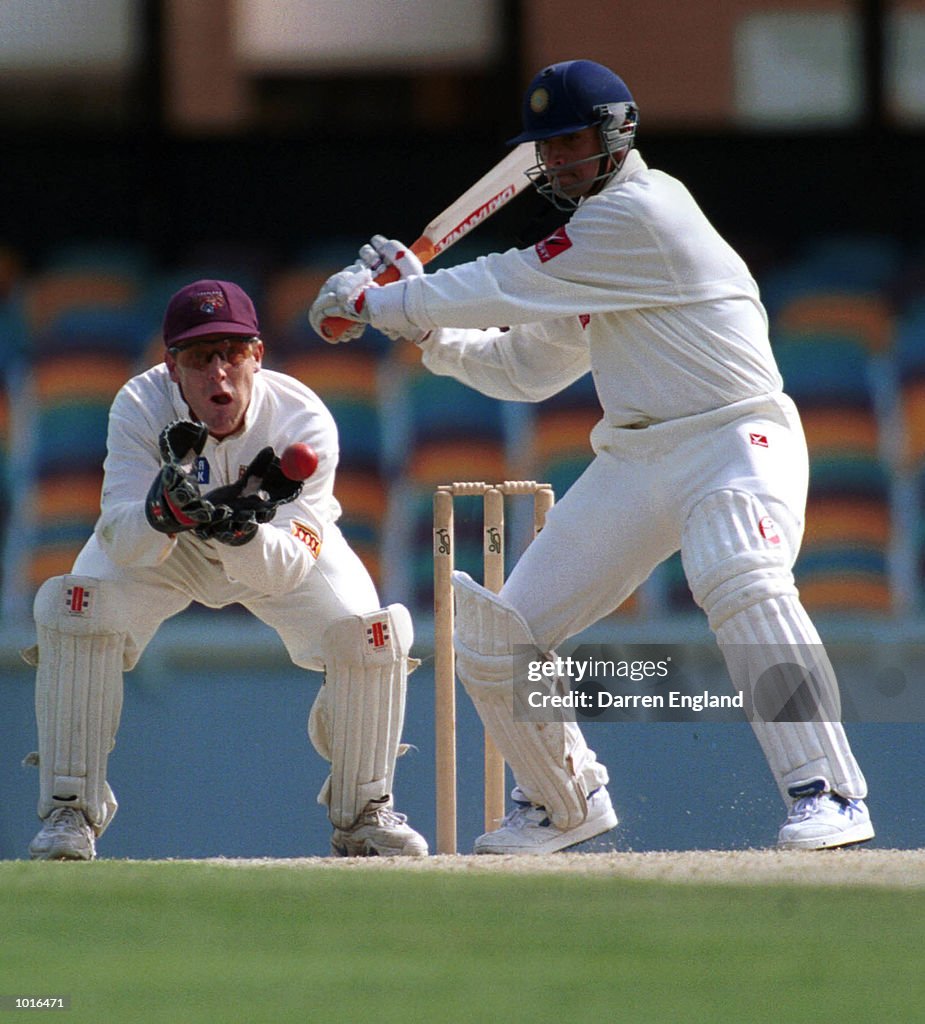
{"x":282,"y":411}
{"x":637,"y":287}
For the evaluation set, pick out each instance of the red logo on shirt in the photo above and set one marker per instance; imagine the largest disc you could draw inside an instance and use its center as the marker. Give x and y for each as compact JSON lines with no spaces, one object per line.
{"x":552,"y":246}
{"x":761,"y":440}
{"x":584,"y":319}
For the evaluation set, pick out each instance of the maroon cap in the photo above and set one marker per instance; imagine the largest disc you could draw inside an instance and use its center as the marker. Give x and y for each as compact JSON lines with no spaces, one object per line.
{"x":209,"y":307}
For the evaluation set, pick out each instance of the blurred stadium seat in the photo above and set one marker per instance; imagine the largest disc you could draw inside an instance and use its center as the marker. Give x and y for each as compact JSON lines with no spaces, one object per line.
{"x":76,"y":368}
{"x":909,"y":365}
{"x":98,"y":256}
{"x":5,"y":489}
{"x":848,"y":265}
{"x":452,"y":433}
{"x":53,"y":292}
{"x":844,"y":562}
{"x":867,"y":318}
{"x":910,"y":375}
{"x":290,"y":293}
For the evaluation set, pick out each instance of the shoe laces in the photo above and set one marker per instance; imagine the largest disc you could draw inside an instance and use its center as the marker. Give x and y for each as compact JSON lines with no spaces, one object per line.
{"x":523,"y":814}
{"x":807,"y":806}
{"x":383,"y":815}
{"x":63,"y":820}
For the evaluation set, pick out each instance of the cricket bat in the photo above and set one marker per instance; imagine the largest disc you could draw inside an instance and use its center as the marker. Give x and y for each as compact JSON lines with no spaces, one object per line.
{"x":493,"y":190}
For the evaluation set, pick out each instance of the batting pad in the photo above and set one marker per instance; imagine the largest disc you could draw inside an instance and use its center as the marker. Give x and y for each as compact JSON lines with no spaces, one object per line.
{"x":356,"y":721}
{"x":738,"y":562}
{"x":78,"y":694}
{"x":550,"y":760}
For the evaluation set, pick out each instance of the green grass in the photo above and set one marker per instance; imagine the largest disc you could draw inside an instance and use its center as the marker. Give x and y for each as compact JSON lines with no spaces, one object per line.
{"x":189,"y":943}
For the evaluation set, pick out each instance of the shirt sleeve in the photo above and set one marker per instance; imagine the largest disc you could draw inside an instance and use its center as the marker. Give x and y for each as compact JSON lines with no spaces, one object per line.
{"x":132,"y":463}
{"x":526,"y":364}
{"x":644,"y":244}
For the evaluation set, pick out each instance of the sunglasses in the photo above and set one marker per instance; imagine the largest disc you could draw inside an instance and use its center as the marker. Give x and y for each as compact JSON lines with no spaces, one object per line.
{"x":199,"y":355}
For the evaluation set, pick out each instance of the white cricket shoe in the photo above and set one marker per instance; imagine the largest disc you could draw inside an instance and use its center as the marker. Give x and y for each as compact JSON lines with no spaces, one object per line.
{"x":825,"y":820}
{"x":528,"y":829}
{"x":378,"y":832}
{"x":65,"y":835}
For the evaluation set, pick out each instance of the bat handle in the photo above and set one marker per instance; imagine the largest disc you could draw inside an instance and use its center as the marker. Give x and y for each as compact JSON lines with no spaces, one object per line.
{"x":332,"y":327}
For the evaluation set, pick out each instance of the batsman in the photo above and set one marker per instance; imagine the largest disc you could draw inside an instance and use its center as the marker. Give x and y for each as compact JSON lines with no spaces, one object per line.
{"x":698,"y":450}
{"x":196,"y":506}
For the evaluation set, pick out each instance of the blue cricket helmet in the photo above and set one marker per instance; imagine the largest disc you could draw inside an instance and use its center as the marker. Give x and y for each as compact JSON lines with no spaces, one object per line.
{"x":569,"y":96}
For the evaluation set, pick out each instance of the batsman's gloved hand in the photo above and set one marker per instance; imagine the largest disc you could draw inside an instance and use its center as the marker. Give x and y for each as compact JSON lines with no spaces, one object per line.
{"x":380,"y":253}
{"x":174,"y":503}
{"x":351,"y":281}
{"x":253,"y":499}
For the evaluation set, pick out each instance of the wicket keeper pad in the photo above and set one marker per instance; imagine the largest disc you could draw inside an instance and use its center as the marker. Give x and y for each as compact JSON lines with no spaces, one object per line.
{"x":356,"y":720}
{"x":81,"y":632}
{"x":738,"y":561}
{"x":550,"y":760}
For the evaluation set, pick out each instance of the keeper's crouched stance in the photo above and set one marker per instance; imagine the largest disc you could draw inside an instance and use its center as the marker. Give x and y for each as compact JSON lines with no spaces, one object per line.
{"x":195,"y":507}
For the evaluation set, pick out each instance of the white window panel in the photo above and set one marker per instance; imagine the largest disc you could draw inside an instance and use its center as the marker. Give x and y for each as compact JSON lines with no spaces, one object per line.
{"x":366,"y":35}
{"x":53,"y":37}
{"x":798,"y":69}
{"x":905,"y":66}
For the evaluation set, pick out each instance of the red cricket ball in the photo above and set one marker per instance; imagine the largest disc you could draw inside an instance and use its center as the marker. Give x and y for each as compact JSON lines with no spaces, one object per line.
{"x":298,"y":461}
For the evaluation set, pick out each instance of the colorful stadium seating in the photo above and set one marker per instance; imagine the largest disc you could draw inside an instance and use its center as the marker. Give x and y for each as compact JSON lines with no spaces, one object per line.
{"x":844,"y":561}
{"x":852,"y":358}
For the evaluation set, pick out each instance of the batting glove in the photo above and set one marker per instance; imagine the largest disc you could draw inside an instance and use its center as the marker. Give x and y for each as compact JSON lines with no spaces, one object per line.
{"x":381,"y":252}
{"x":338,"y":297}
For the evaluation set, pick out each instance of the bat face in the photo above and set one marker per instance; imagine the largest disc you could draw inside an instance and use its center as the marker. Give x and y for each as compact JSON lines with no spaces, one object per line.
{"x":495,"y":189}
{"x":475,"y":218}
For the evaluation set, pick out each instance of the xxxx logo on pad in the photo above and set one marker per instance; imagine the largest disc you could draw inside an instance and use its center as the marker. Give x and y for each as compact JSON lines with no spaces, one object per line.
{"x":377,"y":634}
{"x":760,"y":440}
{"x":78,"y":600}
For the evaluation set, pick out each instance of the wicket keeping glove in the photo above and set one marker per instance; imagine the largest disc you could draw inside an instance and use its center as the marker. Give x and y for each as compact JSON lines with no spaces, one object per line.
{"x":174,"y":503}
{"x":253,"y":499}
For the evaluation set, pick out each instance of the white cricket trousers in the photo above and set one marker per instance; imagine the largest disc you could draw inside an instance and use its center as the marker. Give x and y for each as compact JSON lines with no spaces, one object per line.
{"x":338,"y":585}
{"x":627,"y":511}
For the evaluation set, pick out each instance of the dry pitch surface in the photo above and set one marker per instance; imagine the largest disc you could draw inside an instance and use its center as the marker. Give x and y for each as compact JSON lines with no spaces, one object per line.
{"x":899,"y":869}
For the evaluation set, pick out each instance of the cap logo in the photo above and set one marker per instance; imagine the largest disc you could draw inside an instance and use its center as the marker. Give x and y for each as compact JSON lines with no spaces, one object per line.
{"x":539,"y":100}
{"x":209,"y":302}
